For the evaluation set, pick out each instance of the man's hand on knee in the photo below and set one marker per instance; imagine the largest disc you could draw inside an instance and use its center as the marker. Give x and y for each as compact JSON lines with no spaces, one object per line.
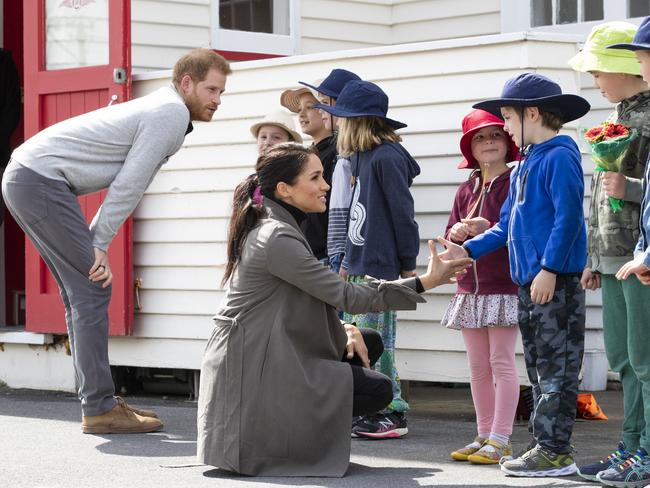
{"x":101,"y":270}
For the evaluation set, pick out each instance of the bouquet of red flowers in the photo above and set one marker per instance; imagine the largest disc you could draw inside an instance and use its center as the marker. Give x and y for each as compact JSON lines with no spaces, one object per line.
{"x":608,"y":142}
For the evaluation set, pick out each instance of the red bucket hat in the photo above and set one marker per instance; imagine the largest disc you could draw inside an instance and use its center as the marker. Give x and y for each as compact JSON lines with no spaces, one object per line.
{"x":472,"y":123}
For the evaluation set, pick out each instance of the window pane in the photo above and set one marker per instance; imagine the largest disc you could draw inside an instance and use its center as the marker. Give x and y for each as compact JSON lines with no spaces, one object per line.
{"x":76,"y":33}
{"x":261,"y":16}
{"x":542,"y":12}
{"x":270,"y":16}
{"x":567,"y":11}
{"x":281,"y":12}
{"x":242,"y":15}
{"x":638,"y":8}
{"x":592,"y":10}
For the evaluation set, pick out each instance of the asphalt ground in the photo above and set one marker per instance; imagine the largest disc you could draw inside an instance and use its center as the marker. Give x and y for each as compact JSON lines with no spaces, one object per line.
{"x":41,"y":446}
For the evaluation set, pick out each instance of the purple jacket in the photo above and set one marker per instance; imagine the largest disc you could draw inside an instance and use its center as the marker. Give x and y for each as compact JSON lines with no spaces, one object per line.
{"x":491,"y":274}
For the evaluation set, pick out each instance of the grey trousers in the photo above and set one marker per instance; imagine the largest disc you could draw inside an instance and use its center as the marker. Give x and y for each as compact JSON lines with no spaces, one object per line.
{"x":51,"y":217}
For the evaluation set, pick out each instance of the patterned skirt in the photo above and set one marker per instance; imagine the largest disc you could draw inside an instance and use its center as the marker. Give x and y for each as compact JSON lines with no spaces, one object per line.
{"x":468,"y":311}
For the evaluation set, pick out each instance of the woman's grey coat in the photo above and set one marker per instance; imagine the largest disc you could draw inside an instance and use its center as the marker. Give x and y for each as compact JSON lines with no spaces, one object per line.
{"x":275,"y":397}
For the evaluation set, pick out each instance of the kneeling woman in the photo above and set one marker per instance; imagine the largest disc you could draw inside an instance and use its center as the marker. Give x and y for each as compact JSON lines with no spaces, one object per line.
{"x":282,"y":376}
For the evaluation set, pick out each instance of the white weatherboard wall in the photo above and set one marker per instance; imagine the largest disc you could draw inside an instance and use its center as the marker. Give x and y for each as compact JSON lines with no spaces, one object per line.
{"x":429,"y":20}
{"x":333,"y":25}
{"x":163,"y":30}
{"x":180,"y":225}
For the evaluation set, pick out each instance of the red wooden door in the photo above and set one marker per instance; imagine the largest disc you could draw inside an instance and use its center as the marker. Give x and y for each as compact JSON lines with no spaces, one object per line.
{"x":77,"y":58}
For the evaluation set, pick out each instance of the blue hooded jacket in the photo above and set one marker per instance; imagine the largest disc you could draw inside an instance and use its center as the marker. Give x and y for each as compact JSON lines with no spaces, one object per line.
{"x":383,"y":237}
{"x":542,"y":221}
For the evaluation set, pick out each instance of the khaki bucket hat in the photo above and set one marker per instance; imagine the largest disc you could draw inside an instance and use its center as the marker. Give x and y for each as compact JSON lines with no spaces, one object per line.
{"x":291,"y":98}
{"x":281,"y":119}
{"x":595,"y":56}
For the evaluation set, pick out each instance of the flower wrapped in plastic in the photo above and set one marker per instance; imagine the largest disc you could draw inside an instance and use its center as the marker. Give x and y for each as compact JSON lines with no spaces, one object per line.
{"x":608,"y":142}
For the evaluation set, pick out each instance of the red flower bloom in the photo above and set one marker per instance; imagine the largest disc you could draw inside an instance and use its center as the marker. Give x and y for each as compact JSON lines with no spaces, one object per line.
{"x":606,"y":131}
{"x":613,"y":131}
{"x":595,"y":134}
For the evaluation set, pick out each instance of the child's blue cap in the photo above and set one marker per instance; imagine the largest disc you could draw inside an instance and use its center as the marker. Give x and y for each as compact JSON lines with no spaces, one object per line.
{"x":641,"y":38}
{"x":535,"y":90}
{"x":334,"y":83}
{"x":361,"y":99}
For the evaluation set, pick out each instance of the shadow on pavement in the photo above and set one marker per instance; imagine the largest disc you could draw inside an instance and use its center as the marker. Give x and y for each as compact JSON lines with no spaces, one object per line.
{"x":157,"y":444}
{"x":384,"y":476}
{"x":405,"y":476}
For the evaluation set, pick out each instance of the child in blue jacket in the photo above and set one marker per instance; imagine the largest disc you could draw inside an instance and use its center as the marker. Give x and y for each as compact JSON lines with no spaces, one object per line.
{"x":542,"y":222}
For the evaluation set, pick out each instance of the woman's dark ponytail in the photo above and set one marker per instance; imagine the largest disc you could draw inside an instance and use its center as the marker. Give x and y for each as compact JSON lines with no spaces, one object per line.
{"x":245,"y":215}
{"x":283,"y":162}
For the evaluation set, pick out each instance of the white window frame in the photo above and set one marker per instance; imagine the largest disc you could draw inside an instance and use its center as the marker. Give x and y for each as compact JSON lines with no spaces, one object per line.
{"x":256,"y":42}
{"x":516,"y":17}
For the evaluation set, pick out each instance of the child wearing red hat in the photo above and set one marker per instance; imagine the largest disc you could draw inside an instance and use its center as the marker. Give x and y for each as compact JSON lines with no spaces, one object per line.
{"x":484,"y":308}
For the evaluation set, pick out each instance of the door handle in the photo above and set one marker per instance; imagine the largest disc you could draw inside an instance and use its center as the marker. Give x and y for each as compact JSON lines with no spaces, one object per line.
{"x":138,"y":285}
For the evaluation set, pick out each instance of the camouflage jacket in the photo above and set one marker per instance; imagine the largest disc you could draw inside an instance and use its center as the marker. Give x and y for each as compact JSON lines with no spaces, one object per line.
{"x":613,"y":236}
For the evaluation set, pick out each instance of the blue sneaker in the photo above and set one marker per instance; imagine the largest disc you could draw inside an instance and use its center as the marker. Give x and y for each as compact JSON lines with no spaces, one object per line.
{"x":619,"y":456}
{"x":633,"y":473}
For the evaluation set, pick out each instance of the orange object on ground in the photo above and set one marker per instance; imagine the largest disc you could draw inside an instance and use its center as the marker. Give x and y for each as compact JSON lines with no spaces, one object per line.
{"x":588,"y":408}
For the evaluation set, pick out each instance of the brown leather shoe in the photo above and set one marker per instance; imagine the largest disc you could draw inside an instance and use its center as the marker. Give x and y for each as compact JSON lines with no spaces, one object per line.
{"x":140,"y":411}
{"x":120,"y":420}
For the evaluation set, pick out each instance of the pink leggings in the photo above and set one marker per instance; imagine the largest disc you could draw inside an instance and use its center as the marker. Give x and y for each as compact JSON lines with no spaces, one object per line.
{"x":493,"y":377}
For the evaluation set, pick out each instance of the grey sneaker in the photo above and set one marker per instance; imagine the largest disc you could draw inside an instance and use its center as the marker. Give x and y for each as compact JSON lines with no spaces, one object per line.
{"x":531,"y":445}
{"x":540,"y":462}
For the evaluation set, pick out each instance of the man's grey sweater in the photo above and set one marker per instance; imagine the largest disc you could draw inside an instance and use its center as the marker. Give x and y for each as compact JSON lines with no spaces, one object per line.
{"x":120,"y":147}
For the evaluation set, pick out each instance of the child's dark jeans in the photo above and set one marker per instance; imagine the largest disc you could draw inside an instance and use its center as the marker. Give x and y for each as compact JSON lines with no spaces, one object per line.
{"x":553,"y":338}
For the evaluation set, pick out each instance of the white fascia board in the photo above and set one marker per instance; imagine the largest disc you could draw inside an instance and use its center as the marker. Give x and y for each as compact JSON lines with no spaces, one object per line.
{"x":395,"y":49}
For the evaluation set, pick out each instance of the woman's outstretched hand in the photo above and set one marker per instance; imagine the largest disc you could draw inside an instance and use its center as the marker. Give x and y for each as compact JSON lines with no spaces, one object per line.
{"x":444,"y":268}
{"x":452,"y":250}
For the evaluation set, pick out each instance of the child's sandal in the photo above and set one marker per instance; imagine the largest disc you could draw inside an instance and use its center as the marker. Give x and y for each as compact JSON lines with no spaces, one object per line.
{"x":490,"y":452}
{"x":462,"y":453}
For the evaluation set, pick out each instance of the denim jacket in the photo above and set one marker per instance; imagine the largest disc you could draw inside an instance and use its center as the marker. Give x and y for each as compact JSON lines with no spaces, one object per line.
{"x":644,"y":223}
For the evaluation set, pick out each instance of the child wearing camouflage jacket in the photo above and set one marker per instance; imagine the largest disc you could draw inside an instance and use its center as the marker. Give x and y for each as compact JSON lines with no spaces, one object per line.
{"x":612,"y":236}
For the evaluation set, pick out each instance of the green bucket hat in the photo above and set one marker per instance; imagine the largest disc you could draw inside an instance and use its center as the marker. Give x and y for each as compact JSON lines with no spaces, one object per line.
{"x":595,"y":56}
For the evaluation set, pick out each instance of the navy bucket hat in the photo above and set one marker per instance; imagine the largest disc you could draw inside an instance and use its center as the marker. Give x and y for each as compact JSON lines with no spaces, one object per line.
{"x":641,"y":38}
{"x":334,"y":83}
{"x":535,"y":90}
{"x":361,"y":99}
